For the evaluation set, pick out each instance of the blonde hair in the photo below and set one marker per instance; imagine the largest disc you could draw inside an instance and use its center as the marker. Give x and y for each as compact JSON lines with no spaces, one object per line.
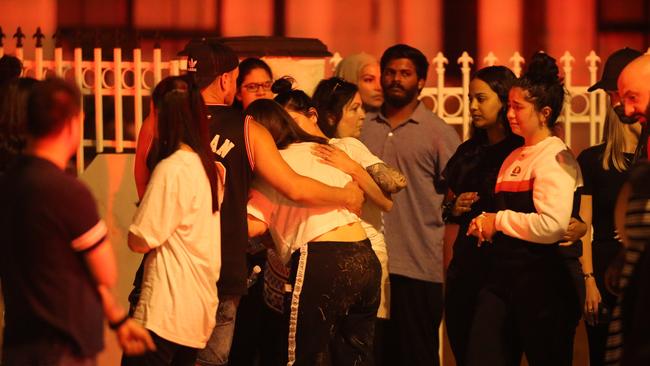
{"x":614,"y":139}
{"x":350,"y":68}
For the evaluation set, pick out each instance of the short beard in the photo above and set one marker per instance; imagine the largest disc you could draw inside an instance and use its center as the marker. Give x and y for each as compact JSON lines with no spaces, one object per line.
{"x":400,"y":102}
{"x":628,"y":120}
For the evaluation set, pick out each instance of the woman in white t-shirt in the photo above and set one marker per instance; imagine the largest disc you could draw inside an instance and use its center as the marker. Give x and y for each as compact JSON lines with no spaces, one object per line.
{"x":334,"y":272}
{"x":177,"y":224}
{"x":336,"y":113}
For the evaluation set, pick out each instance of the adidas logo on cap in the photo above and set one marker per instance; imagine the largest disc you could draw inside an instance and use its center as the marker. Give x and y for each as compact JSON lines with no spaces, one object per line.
{"x":191,"y":64}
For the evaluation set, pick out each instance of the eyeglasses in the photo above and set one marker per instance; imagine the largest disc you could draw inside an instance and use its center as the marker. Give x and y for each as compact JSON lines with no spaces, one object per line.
{"x":254,"y":87}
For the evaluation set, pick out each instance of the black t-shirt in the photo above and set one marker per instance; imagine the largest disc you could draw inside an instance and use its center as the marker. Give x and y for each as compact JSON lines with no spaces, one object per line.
{"x":230,"y":144}
{"x":48,"y":220}
{"x":603,"y":186}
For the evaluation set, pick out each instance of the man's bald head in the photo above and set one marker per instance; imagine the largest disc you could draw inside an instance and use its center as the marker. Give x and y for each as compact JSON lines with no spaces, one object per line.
{"x":634,"y":88}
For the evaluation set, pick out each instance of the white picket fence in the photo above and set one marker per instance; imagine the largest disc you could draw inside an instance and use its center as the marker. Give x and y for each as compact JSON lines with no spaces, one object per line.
{"x":110,"y":78}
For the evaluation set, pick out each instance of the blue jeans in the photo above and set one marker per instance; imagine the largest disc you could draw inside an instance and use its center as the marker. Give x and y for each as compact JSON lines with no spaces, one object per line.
{"x":217,"y":349}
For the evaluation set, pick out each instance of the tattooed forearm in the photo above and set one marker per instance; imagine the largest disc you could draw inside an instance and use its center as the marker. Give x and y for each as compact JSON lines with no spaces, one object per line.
{"x":389,"y":179}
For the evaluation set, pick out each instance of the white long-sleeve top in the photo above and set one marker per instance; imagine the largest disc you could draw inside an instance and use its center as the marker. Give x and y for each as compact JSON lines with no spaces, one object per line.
{"x":538,"y":184}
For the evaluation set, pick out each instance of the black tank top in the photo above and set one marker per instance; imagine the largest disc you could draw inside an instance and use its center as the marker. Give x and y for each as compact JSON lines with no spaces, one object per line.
{"x":229,"y":143}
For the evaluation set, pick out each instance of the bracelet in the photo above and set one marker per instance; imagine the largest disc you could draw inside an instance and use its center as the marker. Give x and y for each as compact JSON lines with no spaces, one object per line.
{"x":119,"y":323}
{"x":447,"y":209}
{"x":588,"y":275}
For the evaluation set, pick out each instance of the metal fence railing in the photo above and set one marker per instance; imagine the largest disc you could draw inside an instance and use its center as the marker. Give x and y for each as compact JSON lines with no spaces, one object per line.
{"x":580,"y":107}
{"x":136,"y":78}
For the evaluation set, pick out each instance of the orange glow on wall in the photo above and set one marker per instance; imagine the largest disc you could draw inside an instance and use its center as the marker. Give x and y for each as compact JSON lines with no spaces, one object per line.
{"x":499,"y":29}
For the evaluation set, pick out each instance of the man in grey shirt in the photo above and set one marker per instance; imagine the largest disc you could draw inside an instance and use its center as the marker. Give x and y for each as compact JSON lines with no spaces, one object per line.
{"x":408,"y":136}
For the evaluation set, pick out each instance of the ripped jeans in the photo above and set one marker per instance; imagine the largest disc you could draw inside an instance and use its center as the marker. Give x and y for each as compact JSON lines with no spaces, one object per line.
{"x":334,"y":304}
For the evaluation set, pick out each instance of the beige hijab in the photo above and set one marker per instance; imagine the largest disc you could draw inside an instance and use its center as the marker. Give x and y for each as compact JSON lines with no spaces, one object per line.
{"x":349,"y":69}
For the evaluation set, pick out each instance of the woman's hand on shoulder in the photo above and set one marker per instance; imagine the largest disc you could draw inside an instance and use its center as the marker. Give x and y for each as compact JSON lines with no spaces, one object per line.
{"x":333,"y":156}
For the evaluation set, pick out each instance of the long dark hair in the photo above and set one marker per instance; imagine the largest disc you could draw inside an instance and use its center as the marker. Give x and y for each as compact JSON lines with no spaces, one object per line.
{"x":182,"y":118}
{"x":283,"y":128}
{"x":330,"y":97}
{"x":13,"y":118}
{"x":544,"y":86}
{"x":500,"y":79}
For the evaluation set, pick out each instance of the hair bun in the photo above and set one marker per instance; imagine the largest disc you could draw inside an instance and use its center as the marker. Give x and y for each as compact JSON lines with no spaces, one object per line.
{"x":282,"y":85}
{"x":542,"y":69}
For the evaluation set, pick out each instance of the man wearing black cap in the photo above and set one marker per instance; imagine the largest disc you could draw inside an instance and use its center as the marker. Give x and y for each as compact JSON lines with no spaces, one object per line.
{"x":604,"y":169}
{"x":613,"y":67}
{"x":629,"y":340}
{"x":243,"y":146}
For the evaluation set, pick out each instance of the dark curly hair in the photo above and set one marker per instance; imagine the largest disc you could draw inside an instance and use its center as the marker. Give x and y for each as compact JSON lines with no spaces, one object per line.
{"x":543,"y":85}
{"x":292,"y":99}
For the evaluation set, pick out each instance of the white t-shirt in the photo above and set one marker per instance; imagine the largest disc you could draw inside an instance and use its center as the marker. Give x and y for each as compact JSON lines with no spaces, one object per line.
{"x":371,"y":218}
{"x":179,"y":293}
{"x":290,"y":224}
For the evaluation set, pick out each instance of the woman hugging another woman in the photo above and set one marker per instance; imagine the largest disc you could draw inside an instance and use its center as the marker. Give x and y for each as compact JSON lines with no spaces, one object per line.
{"x":336,"y":113}
{"x":334,"y":275}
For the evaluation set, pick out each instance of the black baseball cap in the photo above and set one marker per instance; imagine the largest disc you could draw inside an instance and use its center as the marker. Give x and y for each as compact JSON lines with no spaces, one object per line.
{"x":208,"y":59}
{"x":615,"y":63}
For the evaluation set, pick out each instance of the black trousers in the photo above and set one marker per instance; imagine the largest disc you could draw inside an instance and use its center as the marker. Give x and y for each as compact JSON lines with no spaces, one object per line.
{"x":334,"y":304}
{"x":527,"y":305}
{"x":167,"y":354}
{"x":412,"y":330}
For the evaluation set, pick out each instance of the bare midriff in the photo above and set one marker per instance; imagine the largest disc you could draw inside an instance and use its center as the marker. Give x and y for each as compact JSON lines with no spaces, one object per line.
{"x":349,"y":232}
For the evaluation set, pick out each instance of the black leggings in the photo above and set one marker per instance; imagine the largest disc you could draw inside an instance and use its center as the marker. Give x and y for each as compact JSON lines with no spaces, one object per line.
{"x":334,"y":304}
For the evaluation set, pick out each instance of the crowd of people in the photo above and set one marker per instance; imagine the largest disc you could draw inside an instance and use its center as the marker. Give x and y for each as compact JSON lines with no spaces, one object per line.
{"x":281,"y":227}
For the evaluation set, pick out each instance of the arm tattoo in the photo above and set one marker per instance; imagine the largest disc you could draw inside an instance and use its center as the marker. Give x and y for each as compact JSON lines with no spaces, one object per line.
{"x":389,"y":179}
